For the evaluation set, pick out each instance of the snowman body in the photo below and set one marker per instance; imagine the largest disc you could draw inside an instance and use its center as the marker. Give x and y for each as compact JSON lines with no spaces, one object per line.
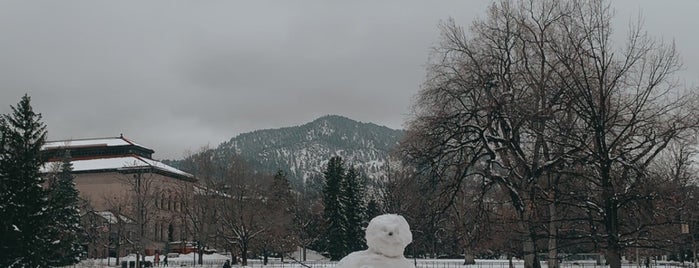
{"x":368,"y":259}
{"x":387,"y":236}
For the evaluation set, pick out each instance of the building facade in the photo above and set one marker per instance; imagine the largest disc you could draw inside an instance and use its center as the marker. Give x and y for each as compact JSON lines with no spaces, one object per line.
{"x":132,"y":202}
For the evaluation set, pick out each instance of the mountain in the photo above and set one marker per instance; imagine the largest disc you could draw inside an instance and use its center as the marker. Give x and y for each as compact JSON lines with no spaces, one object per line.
{"x":303,"y":151}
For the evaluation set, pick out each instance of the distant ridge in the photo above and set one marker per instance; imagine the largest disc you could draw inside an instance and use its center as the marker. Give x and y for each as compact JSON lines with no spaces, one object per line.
{"x":303,"y":151}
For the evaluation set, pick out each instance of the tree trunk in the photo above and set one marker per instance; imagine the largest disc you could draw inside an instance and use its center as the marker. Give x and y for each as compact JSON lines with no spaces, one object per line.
{"x":694,"y":250}
{"x":303,"y":254}
{"x":553,"y":237}
{"x":468,"y":256}
{"x":201,"y":254}
{"x":264,"y":257}
{"x":234,"y":258}
{"x":509,"y":258}
{"x":244,"y":254}
{"x":611,"y":220}
{"x":117,"y":248}
{"x":613,"y":257}
{"x":530,"y":258}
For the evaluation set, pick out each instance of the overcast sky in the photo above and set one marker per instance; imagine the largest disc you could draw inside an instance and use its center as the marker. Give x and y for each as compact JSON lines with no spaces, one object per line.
{"x":178,"y":75}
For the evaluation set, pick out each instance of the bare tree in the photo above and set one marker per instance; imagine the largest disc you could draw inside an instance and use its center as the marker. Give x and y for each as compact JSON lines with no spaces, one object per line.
{"x":389,"y":189}
{"x":537,"y":95}
{"x":96,"y":230}
{"x":280,"y":206}
{"x":493,"y":107}
{"x":241,"y":220}
{"x":670,"y":189}
{"x":308,"y":215}
{"x":199,"y":210}
{"x":122,"y":227}
{"x":143,"y":192}
{"x":630,"y":105}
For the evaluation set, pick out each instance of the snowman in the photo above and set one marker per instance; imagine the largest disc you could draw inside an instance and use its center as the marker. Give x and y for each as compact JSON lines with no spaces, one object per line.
{"x":386,"y":236}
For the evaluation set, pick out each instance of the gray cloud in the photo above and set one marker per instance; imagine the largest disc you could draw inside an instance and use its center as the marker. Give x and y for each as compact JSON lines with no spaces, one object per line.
{"x":176,"y":75}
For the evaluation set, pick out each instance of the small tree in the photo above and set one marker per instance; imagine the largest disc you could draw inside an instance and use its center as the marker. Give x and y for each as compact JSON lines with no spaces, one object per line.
{"x":142,"y":184}
{"x":308,"y":217}
{"x":281,"y":206}
{"x":122,"y":227}
{"x":64,"y":208}
{"x":333,"y":212}
{"x":354,"y":210}
{"x":345,"y":209}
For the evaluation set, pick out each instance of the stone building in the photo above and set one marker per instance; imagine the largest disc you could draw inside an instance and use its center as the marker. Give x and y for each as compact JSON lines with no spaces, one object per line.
{"x":132,"y":197}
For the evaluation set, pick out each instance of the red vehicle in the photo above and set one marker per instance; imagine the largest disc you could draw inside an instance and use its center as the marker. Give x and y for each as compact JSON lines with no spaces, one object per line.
{"x":185,"y":247}
{"x":182,"y":247}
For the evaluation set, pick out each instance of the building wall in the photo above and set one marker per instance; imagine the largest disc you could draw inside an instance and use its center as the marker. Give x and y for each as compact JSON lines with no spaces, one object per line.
{"x":160,"y":196}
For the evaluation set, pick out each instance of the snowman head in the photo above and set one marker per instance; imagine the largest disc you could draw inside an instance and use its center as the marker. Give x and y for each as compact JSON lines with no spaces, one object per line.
{"x":388,"y":235}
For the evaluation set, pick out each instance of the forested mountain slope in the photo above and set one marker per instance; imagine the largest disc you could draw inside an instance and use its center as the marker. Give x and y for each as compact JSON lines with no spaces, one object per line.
{"x":303,"y":151}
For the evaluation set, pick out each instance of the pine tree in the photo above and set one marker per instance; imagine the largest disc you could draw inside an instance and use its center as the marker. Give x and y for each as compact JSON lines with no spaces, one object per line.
{"x":66,"y":226}
{"x":372,"y":209}
{"x":280,"y":192}
{"x":333,"y":211}
{"x":24,"y":222}
{"x":352,"y":198}
{"x":5,"y":194}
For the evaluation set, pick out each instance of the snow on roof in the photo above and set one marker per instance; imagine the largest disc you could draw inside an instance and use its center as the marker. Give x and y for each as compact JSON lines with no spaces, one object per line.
{"x":98,"y":142}
{"x":202,"y":190}
{"x":109,"y":216}
{"x":111,"y":219}
{"x":121,"y":163}
{"x":164,"y":167}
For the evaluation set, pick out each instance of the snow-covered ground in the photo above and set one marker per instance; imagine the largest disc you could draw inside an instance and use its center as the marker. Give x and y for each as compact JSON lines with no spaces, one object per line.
{"x":315,"y":260}
{"x":217,"y":260}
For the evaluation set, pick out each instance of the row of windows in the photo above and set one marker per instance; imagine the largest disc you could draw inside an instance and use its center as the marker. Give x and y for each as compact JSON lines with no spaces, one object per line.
{"x":162,"y":231}
{"x":169,"y":203}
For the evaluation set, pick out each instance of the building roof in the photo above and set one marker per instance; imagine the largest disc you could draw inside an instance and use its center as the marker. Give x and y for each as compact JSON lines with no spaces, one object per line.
{"x":125,"y":163}
{"x":109,"y":155}
{"x":93,"y":142}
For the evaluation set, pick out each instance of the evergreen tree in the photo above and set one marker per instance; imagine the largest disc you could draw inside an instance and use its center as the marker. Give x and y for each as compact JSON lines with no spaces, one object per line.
{"x":24,"y":232}
{"x":333,"y":211}
{"x":63,"y":200}
{"x":372,"y":209}
{"x":352,"y":198}
{"x":280,"y":192}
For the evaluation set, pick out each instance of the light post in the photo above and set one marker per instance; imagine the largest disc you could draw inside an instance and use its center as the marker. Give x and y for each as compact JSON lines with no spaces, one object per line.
{"x":686,"y":230}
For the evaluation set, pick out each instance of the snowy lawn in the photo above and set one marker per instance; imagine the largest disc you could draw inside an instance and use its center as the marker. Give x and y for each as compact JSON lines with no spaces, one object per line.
{"x":216,"y":260}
